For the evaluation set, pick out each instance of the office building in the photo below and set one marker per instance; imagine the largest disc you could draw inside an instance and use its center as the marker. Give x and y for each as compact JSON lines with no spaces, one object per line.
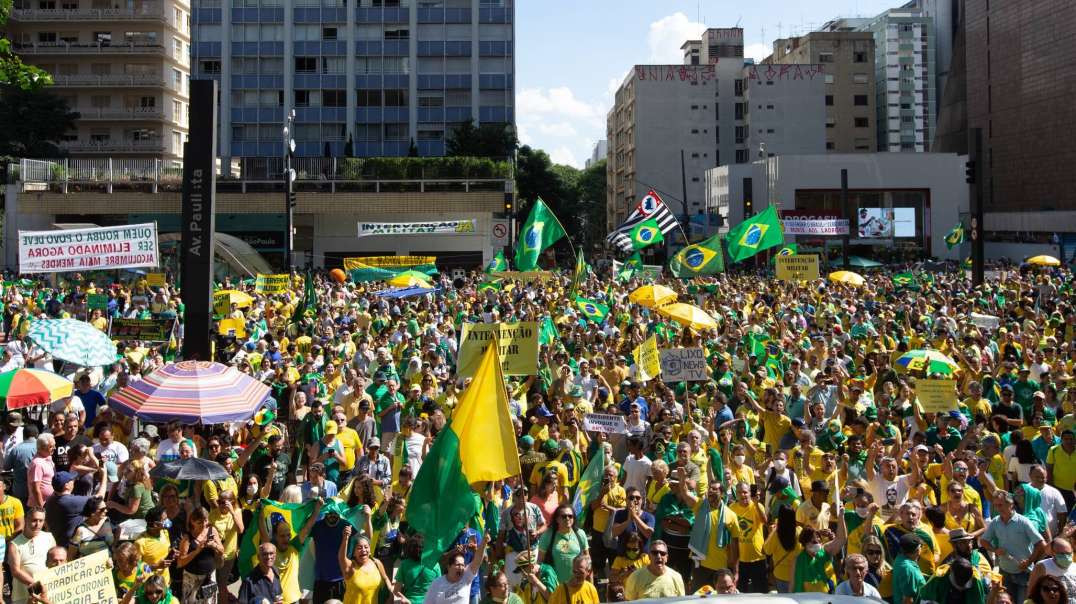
{"x":124,"y":67}
{"x":945,"y":18}
{"x":848,"y":58}
{"x":601,"y":149}
{"x":904,"y":54}
{"x":382,"y":74}
{"x":715,"y":109}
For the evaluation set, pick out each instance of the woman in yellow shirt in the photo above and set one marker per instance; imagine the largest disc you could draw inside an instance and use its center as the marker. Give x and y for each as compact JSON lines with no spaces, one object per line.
{"x":782,"y":546}
{"x":961,"y":514}
{"x":659,"y":484}
{"x":363,"y":575}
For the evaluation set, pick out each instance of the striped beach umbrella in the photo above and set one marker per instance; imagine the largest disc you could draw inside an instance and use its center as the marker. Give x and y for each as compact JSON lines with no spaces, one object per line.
{"x":193,"y":392}
{"x":27,"y":387}
{"x":73,"y":341}
{"x":930,"y":361}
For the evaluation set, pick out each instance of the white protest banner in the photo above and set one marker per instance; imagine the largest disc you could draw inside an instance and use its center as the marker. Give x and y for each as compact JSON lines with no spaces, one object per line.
{"x":985,"y":321}
{"x":99,"y":248}
{"x":86,"y":580}
{"x":683,"y":365}
{"x":815,"y":226}
{"x":603,"y":422}
{"x":443,"y":227}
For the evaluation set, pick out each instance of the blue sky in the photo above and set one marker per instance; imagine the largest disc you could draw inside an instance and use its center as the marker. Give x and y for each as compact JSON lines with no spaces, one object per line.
{"x":571,"y":55}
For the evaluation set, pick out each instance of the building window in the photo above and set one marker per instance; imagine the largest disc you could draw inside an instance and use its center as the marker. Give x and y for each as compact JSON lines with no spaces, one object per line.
{"x":829,"y":100}
{"x":694,"y":130}
{"x":368,"y":98}
{"x":694,"y":106}
{"x":328,"y":33}
{"x":397,"y":34}
{"x":830,"y":146}
{"x":102,"y":38}
{"x":177,"y":80}
{"x":825,"y":57}
{"x":211,"y":67}
{"x":860,"y":100}
{"x":831,"y":122}
{"x":829,"y":78}
{"x":859,"y":57}
{"x":306,"y":64}
{"x":862,"y":122}
{"x":396,"y":98}
{"x":333,"y":98}
{"x":302,"y":98}
{"x":100,"y":101}
{"x":741,"y":110}
{"x":717,"y":135}
{"x":739,"y":87}
{"x":741,"y":156}
{"x":859,"y":78}
{"x":395,"y":132}
{"x":741,"y":134}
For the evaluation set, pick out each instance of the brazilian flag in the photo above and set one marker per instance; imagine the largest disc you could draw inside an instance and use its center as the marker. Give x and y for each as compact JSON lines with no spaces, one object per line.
{"x":632,"y":265}
{"x":702,"y":258}
{"x":547,"y":332}
{"x":498,"y":264}
{"x":760,"y":232}
{"x":592,"y":310}
{"x":956,"y":236}
{"x":906,"y":281}
{"x":789,"y":249}
{"x":579,"y":274}
{"x":647,"y":232}
{"x":490,"y":285}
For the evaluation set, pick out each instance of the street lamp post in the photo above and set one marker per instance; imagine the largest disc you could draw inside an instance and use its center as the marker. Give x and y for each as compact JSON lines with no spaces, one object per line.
{"x":289,"y":195}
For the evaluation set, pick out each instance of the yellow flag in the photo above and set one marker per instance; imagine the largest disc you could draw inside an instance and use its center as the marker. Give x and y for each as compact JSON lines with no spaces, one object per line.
{"x":647,"y":359}
{"x":483,"y":424}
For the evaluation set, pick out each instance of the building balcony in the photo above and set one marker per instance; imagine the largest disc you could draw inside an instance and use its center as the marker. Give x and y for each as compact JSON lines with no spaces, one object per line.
{"x":61,"y":48}
{"x":115,"y":146}
{"x":152,"y":12}
{"x":108,"y":115}
{"x":110,"y":81}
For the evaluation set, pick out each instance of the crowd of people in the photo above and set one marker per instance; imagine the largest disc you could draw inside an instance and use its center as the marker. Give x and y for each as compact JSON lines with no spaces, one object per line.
{"x":803,"y":462}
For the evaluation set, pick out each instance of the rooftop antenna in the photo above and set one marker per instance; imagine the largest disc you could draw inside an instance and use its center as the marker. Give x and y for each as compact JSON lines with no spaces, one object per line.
{"x":740,"y":18}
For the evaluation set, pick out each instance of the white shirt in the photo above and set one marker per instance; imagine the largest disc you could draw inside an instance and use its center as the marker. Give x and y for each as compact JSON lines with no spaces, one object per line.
{"x":636,"y":472}
{"x":1066,"y":576}
{"x":414,"y":444}
{"x":869,"y":591}
{"x":889,"y":494}
{"x":115,"y":452}
{"x":443,"y":591}
{"x":1053,"y":503}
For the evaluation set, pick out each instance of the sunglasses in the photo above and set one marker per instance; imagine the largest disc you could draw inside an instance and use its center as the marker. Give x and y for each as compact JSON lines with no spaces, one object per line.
{"x":566,"y":517}
{"x":659,"y":552}
{"x":636,"y":498}
{"x":154,"y":594}
{"x":873,"y":552}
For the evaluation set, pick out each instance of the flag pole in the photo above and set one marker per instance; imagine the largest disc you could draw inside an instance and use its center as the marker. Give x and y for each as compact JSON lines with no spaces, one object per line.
{"x":557,"y":218}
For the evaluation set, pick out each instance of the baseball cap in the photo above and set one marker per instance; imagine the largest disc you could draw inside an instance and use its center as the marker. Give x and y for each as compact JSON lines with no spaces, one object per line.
{"x":372,"y":442}
{"x":331,"y":427}
{"x":61,"y":478}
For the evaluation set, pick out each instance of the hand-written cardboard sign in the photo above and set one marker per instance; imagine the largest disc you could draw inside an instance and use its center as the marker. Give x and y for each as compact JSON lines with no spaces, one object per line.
{"x":797,"y":267}
{"x":142,"y":330}
{"x":603,"y":422}
{"x":518,"y":344}
{"x":87,"y":580}
{"x":683,"y":365}
{"x":272,"y":284}
{"x":936,"y":396}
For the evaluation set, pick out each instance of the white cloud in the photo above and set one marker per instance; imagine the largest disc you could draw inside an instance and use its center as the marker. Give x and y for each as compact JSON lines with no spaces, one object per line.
{"x":561,"y":129}
{"x":564,"y":155}
{"x":668,"y":34}
{"x":757,"y":51}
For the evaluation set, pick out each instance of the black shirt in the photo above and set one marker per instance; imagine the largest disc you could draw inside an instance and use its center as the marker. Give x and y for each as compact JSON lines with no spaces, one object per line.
{"x":258,"y":587}
{"x":63,"y":447}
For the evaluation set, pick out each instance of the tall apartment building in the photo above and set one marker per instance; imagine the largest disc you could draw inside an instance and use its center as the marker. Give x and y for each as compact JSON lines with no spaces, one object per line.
{"x":848,"y":59}
{"x":712,"y":112}
{"x":381,"y":73}
{"x":601,"y":149}
{"x":124,"y":66}
{"x":904,"y":51}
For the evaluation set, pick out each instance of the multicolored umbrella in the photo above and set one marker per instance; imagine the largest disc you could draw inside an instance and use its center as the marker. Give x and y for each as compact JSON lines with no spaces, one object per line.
{"x":27,"y":387}
{"x":193,"y":392}
{"x":652,"y":296}
{"x":73,"y":341}
{"x":930,"y":361}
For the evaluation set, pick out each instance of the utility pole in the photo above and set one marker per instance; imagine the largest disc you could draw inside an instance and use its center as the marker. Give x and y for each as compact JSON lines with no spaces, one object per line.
{"x":683,"y":197}
{"x":289,"y":194}
{"x":847,"y":214}
{"x":975,"y":175}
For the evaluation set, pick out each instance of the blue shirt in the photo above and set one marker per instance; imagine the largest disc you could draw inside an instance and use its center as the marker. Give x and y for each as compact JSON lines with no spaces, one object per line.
{"x":644,"y":409}
{"x":18,"y":461}
{"x":1018,"y":537}
{"x":327,"y":540}
{"x":1041,"y":447}
{"x":329,"y":488}
{"x":91,"y":400}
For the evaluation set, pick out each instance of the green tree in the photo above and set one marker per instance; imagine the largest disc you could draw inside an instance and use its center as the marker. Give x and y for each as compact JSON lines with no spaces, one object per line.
{"x":32,"y":121}
{"x":488,"y":140}
{"x":12,"y":70}
{"x":590,"y":189}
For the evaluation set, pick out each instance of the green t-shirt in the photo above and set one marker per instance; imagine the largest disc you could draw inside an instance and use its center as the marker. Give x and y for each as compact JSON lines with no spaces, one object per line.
{"x":562,"y":551}
{"x":416,"y":579}
{"x":907,"y":579}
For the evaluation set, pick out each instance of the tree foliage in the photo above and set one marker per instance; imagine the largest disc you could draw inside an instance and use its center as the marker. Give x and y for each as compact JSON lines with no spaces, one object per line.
{"x":32,"y":122}
{"x":488,"y":140}
{"x":13,"y":71}
{"x":577,"y":197}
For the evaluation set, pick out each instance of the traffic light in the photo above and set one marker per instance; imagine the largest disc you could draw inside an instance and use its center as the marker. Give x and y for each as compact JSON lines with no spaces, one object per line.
{"x":969,"y":172}
{"x":507,"y":203}
{"x":291,"y":199}
{"x":748,"y":206}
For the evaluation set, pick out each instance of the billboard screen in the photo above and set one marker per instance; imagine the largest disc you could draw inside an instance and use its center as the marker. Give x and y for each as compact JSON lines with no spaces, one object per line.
{"x":884,"y":223}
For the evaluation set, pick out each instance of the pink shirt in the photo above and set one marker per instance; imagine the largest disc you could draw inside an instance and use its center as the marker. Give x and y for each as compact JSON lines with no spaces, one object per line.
{"x":41,"y":471}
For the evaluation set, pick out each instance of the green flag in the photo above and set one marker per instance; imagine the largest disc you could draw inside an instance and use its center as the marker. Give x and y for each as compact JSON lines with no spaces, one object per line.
{"x":955,"y":236}
{"x":590,"y":486}
{"x":272,"y":513}
{"x":309,"y":306}
{"x":630,"y":267}
{"x":702,"y":258}
{"x":498,"y":264}
{"x":541,"y":230}
{"x":592,"y":310}
{"x":760,"y":232}
{"x":580,"y":272}
{"x":490,"y":285}
{"x":906,"y":281}
{"x":548,"y":333}
{"x":757,"y":344}
{"x":647,"y":232}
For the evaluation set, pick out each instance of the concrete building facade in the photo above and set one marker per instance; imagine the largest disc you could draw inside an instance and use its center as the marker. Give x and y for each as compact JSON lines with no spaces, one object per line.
{"x":125,"y":67}
{"x":848,"y":58}
{"x":926,"y":191}
{"x":601,"y":149}
{"x":380,"y":73}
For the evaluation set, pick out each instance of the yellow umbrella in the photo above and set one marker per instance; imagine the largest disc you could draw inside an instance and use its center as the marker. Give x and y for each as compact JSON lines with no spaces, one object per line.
{"x":1044,"y":261}
{"x":689,"y":316}
{"x":408,"y":281}
{"x":652,"y":296}
{"x":226,"y":297}
{"x":848,"y":277}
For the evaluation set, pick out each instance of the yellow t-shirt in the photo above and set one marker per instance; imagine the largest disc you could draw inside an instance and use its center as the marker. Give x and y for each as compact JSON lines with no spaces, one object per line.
{"x":752,"y":531}
{"x":225,"y":526}
{"x":586,"y":594}
{"x":349,"y":440}
{"x":210,"y":488}
{"x":776,"y":425}
{"x":654,"y":493}
{"x":808,"y":515}
{"x":783,"y":559}
{"x":10,"y":511}
{"x":1064,"y":467}
{"x":617,"y":497}
{"x":718,"y":557}
{"x":287,"y":565}
{"x":155,"y":549}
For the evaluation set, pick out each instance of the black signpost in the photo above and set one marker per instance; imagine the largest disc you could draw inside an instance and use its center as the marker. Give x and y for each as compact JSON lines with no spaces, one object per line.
{"x":199,"y":219}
